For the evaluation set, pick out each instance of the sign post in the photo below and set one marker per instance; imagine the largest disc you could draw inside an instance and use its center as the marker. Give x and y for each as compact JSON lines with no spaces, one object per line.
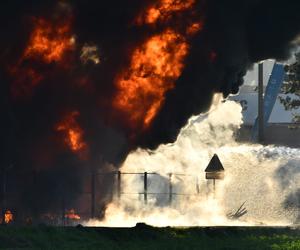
{"x":214,"y":171}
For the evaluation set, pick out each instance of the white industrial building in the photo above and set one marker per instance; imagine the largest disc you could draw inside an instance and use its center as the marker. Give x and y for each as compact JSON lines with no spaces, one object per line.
{"x":280,"y":128}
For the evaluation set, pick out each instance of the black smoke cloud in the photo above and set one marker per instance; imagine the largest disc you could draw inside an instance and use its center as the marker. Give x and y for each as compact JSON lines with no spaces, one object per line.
{"x":236,"y":34}
{"x":241,"y":33}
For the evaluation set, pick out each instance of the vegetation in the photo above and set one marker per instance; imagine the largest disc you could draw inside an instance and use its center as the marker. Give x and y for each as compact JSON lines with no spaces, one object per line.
{"x":292,"y":86}
{"x":146,"y":237}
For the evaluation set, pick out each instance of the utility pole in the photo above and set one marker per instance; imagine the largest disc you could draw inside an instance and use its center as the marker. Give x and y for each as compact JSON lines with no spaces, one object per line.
{"x":261,"y":102}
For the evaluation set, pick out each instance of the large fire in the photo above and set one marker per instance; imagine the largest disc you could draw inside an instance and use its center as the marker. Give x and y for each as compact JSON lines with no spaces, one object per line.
{"x":73,"y":133}
{"x":155,"y":66}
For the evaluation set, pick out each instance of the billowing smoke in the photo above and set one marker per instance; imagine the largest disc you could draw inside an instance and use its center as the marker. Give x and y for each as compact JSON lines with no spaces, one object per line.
{"x":85,"y":82}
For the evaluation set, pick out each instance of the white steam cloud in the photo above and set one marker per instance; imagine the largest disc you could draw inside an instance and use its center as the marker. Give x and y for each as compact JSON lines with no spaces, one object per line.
{"x":265,"y":178}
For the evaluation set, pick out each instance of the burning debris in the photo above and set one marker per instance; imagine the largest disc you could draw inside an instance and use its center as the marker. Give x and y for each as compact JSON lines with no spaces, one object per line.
{"x":90,"y":53}
{"x":161,"y":62}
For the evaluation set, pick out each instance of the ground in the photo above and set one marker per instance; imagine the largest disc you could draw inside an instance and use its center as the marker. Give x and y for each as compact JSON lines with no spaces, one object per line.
{"x":146,"y":237}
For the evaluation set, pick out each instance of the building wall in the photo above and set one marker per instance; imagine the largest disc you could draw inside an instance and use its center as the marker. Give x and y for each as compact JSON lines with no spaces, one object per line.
{"x":275,"y":133}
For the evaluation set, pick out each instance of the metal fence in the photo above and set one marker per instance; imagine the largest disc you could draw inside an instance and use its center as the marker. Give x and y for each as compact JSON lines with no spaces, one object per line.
{"x":66,"y":214}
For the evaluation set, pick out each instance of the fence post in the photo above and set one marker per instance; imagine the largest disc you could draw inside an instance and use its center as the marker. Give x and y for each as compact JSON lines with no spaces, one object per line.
{"x":34,"y":211}
{"x":3,"y":195}
{"x":170,"y":189}
{"x":214,"y":187}
{"x":197,"y":185}
{"x":63,"y":211}
{"x":146,"y":187}
{"x":119,"y":185}
{"x":93,"y":193}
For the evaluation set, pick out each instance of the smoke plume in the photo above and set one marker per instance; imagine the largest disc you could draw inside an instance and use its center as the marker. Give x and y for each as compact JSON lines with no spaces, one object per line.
{"x":88,"y":80}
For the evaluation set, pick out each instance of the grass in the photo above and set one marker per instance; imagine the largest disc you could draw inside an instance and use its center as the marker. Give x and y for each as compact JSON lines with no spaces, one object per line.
{"x":146,"y":237}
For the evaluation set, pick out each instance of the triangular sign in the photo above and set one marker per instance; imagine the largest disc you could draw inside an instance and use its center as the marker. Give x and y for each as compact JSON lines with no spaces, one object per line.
{"x":214,"y":165}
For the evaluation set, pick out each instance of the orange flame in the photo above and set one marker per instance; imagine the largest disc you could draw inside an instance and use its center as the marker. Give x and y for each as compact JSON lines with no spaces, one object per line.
{"x":70,"y":214}
{"x":155,"y":65}
{"x":154,"y":68}
{"x":164,"y":9}
{"x":8,"y":217}
{"x":194,"y":28}
{"x":49,"y":42}
{"x":73,"y":132}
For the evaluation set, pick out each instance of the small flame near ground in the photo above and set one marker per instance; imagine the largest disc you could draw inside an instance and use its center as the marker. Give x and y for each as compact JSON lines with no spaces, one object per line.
{"x":55,"y":219}
{"x":71,"y":214}
{"x":8,"y":217}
